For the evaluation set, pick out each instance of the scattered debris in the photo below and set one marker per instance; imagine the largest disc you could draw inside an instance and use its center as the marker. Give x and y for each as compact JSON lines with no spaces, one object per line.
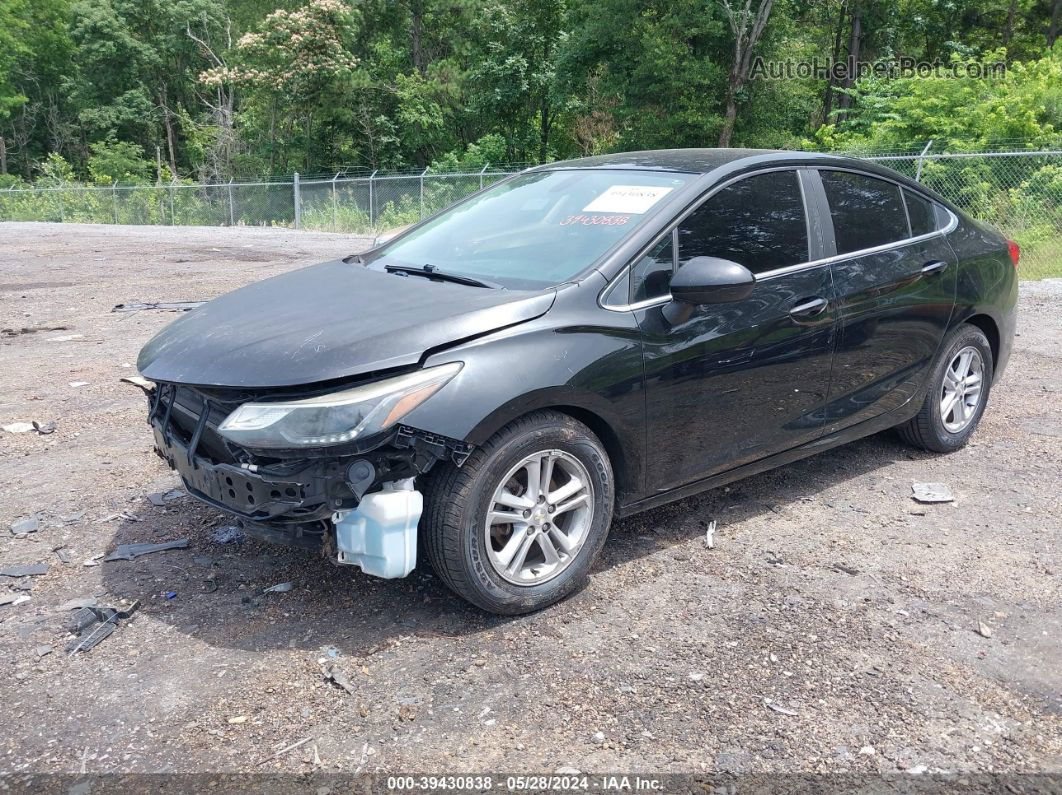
{"x":17,"y":427}
{"x":76,"y":384}
{"x":931,"y":492}
{"x":285,"y":750}
{"x":338,"y":678}
{"x":43,"y":650}
{"x":94,"y":560}
{"x":21,"y":527}
{"x":25,"y":570}
{"x":158,"y":499}
{"x":65,"y":338}
{"x":984,"y":630}
{"x":93,"y":624}
{"x":79,"y":602}
{"x":63,"y":554}
{"x":130,"y":551}
{"x":13,"y":599}
{"x":162,"y":306}
{"x":170,"y":595}
{"x":72,"y":518}
{"x":237,"y":720}
{"x":282,"y":587}
{"x":709,"y":536}
{"x":45,"y":428}
{"x":771,"y":705}
{"x":598,"y":737}
{"x":867,"y":750}
{"x":696,"y":676}
{"x":17,"y":332}
{"x":846,"y":569}
{"x":228,"y":534}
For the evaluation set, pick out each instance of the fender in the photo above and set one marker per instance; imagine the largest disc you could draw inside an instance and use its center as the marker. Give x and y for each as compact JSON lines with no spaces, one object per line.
{"x":593,"y":372}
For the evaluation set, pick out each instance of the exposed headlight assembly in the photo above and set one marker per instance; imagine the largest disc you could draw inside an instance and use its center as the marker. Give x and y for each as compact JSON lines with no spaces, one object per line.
{"x":337,"y":417}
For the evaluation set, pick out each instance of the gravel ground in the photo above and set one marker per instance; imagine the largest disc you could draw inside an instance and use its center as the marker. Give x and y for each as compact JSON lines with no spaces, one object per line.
{"x":837,"y":625}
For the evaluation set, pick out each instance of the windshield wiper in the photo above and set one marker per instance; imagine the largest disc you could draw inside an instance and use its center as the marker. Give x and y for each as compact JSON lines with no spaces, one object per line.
{"x":432,"y":272}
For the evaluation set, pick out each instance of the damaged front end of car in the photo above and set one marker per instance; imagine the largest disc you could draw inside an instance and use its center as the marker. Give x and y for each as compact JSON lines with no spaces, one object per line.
{"x":326,"y":468}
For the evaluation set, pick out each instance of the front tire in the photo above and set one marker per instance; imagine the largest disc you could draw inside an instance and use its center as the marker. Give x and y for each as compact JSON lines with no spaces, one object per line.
{"x":518,"y":526}
{"x":957,"y":396}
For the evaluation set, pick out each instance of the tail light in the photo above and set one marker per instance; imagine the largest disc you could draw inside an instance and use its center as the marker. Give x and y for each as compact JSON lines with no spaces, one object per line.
{"x":1015,"y":252}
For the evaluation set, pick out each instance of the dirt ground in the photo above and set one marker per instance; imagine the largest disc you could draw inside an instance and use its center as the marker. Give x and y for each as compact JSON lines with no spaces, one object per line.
{"x":834,"y":626}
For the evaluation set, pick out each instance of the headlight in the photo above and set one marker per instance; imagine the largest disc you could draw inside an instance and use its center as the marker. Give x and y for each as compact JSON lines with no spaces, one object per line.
{"x":337,"y":417}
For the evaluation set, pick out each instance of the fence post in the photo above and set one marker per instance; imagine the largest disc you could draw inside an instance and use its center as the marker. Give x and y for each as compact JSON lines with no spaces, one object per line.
{"x":335,"y":222}
{"x":372,"y":201}
{"x":297,"y":199}
{"x":422,"y":173}
{"x":481,"y":173}
{"x":114,"y":196}
{"x":918,"y":169}
{"x":173,"y":217}
{"x":232,"y":209}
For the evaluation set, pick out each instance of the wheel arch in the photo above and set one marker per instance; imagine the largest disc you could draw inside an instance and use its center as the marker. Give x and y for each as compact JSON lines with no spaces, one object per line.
{"x":620,"y":443}
{"x":990,"y":327}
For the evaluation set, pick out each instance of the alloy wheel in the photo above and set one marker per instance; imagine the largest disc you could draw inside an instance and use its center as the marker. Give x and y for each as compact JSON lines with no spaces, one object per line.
{"x":961,"y":391}
{"x":539,"y":517}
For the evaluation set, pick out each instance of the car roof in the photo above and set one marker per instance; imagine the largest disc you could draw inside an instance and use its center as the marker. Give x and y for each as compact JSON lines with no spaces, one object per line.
{"x":726,"y":163}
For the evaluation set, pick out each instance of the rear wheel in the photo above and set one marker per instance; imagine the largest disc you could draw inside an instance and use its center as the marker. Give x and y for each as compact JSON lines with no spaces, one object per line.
{"x":958,"y":392}
{"x":519,"y":525}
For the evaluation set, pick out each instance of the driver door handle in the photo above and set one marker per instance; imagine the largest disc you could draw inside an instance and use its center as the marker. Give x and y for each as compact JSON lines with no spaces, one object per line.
{"x":808,"y":308}
{"x":935,"y":266}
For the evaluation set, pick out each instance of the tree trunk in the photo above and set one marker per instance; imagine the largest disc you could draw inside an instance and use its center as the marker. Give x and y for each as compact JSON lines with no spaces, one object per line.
{"x":827,"y":100}
{"x":3,"y":155}
{"x":844,"y":102}
{"x":168,"y":122}
{"x":747,"y":31}
{"x":1052,"y":30}
{"x":416,"y":11}
{"x":1008,"y":31}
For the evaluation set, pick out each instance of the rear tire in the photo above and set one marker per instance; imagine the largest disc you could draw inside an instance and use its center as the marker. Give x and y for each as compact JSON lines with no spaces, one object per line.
{"x":959,"y":386}
{"x":477,"y":554}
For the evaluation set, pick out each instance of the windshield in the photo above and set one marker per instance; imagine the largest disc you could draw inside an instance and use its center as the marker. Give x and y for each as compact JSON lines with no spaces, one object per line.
{"x":535,"y":230}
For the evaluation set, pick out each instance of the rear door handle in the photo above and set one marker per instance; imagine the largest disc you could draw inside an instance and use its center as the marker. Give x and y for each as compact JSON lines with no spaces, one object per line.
{"x":935,"y":266}
{"x":808,"y":308}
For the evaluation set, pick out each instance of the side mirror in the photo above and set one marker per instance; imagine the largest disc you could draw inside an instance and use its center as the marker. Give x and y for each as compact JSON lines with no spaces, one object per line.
{"x":710,"y":280}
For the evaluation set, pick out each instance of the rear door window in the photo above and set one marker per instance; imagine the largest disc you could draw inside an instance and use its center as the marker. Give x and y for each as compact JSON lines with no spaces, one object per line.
{"x":866,"y":212}
{"x":758,"y":222}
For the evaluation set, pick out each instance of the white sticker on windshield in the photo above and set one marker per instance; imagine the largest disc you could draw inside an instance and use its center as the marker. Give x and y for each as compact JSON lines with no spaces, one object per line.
{"x":627,"y":199}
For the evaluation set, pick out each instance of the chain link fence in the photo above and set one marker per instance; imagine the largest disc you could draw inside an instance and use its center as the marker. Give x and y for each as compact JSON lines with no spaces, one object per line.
{"x":1018,"y":192}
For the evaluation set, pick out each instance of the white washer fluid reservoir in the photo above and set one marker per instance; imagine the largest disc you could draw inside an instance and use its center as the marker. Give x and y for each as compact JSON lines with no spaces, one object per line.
{"x":380,"y":535}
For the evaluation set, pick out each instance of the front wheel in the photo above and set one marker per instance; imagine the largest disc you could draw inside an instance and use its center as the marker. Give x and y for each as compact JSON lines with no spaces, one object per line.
{"x":958,"y":393}
{"x":519,"y":525}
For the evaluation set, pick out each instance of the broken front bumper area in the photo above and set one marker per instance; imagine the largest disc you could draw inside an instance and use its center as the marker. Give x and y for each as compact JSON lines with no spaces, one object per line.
{"x":281,"y":498}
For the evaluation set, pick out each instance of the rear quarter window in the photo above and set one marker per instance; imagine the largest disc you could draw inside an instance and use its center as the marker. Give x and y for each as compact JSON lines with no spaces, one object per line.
{"x":925,"y":215}
{"x":866,"y":212}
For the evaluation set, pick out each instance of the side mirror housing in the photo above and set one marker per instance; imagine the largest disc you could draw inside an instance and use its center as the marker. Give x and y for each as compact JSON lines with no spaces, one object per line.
{"x":710,"y":280}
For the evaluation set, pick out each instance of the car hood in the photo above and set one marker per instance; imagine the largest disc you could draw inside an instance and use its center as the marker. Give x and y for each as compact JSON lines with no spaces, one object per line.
{"x":326,"y":322}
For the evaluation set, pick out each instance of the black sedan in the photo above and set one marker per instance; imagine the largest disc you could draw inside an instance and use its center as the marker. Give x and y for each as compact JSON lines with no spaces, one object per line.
{"x":579,"y":342}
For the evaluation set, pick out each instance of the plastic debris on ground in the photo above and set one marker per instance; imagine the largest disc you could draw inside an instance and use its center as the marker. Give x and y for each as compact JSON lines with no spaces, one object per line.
{"x":25,"y":570}
{"x":709,"y":536}
{"x":931,"y":492}
{"x":130,"y":551}
{"x":282,"y":587}
{"x":28,"y":524}
{"x":13,"y":599}
{"x":17,"y":427}
{"x":74,"y":604}
{"x":158,"y":499}
{"x":162,"y":306}
{"x":228,"y":534}
{"x":771,"y":705}
{"x":93,"y":624}
{"x":338,"y":678}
